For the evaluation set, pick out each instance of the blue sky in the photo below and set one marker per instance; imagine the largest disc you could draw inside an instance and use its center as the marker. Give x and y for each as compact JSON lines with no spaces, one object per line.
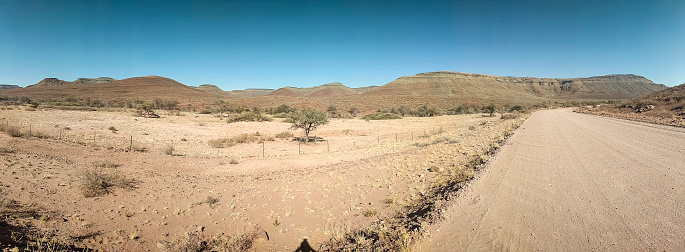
{"x":271,"y":44}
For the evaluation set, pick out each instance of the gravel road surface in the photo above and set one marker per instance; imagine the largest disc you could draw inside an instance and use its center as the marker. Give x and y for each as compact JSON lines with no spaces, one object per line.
{"x":574,"y":182}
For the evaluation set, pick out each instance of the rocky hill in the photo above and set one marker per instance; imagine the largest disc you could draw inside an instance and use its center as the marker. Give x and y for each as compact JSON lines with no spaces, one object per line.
{"x":109,"y":89}
{"x":454,"y":84}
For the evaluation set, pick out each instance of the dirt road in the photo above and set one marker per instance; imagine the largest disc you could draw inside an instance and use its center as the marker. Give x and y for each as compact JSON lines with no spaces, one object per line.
{"x":574,"y":182}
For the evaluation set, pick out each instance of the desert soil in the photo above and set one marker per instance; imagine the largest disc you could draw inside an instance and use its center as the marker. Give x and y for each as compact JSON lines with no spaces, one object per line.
{"x":574,"y":182}
{"x":366,"y":171}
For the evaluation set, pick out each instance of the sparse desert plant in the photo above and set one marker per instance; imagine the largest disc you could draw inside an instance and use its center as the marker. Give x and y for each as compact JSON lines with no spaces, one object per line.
{"x":284,"y":135}
{"x":490,"y":109}
{"x":147,"y":109}
{"x":10,"y":148}
{"x":168,"y":150}
{"x":184,"y":139}
{"x":11,"y":130}
{"x":381,"y":116}
{"x":509,"y":116}
{"x":105,"y":164}
{"x":308,"y":120}
{"x":138,"y":148}
{"x":239,"y":139}
{"x":233,"y":160}
{"x":197,"y":241}
{"x":113,"y":129}
{"x":249,"y":117}
{"x":420,"y":144}
{"x":96,"y":182}
{"x":370,"y":212}
{"x":211,"y":201}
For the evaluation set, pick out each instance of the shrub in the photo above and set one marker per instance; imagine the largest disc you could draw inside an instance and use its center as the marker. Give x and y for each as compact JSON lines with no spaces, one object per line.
{"x":420,"y":144}
{"x":370,"y":212}
{"x":249,"y":117}
{"x":239,"y":139}
{"x":509,"y":116}
{"x":425,"y":111}
{"x":105,"y":164}
{"x":11,"y":130}
{"x":381,"y":116}
{"x":111,"y":128}
{"x":198,"y":241}
{"x":284,"y":135}
{"x":169,"y":150}
{"x":96,"y":182}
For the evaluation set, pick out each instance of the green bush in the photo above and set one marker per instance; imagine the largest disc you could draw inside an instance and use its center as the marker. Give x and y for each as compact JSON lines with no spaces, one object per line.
{"x":381,"y":116}
{"x":249,"y":117}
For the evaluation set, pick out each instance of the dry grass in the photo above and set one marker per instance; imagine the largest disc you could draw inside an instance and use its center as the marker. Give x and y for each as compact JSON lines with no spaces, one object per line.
{"x":197,"y":241}
{"x":97,"y":182}
{"x":11,"y":130}
{"x":284,"y":135}
{"x":249,"y":117}
{"x":168,"y":150}
{"x":239,"y":139}
{"x":9,"y":148}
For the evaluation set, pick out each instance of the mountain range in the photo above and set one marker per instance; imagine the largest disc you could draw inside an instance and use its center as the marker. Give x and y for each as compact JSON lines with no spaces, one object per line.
{"x":442,"y":88}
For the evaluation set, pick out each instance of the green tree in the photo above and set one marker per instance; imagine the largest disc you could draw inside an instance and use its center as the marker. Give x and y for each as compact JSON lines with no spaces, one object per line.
{"x":490,"y":109}
{"x":308,"y":120}
{"x":222,"y":105}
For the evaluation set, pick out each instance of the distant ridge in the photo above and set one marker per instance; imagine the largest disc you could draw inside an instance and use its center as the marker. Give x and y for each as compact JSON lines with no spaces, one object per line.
{"x":108,"y":88}
{"x":455,"y":84}
{"x":334,"y":89}
{"x":7,"y":86}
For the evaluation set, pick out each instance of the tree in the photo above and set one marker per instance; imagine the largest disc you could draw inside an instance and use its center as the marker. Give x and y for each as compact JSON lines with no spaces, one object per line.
{"x":222,"y":106}
{"x":308,"y":120}
{"x":147,"y":109}
{"x":489,"y":109}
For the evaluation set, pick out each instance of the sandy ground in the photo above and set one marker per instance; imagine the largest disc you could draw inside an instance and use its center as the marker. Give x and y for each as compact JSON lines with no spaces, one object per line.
{"x":574,"y":182}
{"x":328,"y":188}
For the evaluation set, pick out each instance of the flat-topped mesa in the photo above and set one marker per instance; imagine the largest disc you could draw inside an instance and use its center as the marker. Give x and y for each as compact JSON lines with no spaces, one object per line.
{"x":8,"y":86}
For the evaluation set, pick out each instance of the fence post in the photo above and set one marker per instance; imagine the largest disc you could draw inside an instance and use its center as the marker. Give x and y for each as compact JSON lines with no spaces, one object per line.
{"x":328,"y":146}
{"x":30,"y":130}
{"x":299,"y":147}
{"x":263,"y":151}
{"x":379,"y":139}
{"x":412,"y":135}
{"x":395,"y":137}
{"x":130,"y":145}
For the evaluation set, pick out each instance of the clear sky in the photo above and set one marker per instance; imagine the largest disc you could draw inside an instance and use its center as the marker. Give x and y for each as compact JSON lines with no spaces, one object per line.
{"x":271,"y":44}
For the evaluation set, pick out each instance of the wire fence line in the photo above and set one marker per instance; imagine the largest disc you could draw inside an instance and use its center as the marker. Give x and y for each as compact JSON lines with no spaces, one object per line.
{"x":146,"y":143}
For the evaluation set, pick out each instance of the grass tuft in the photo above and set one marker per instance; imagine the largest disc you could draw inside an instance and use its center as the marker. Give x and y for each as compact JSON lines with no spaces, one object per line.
{"x":97,"y":182}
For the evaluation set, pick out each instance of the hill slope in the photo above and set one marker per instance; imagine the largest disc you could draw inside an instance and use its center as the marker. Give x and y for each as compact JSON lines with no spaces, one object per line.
{"x":663,"y":107}
{"x":454,"y":84}
{"x":132,"y":88}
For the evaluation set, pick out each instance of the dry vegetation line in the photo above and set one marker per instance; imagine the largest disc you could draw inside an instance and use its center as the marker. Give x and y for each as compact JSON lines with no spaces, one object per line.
{"x":573,"y":182}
